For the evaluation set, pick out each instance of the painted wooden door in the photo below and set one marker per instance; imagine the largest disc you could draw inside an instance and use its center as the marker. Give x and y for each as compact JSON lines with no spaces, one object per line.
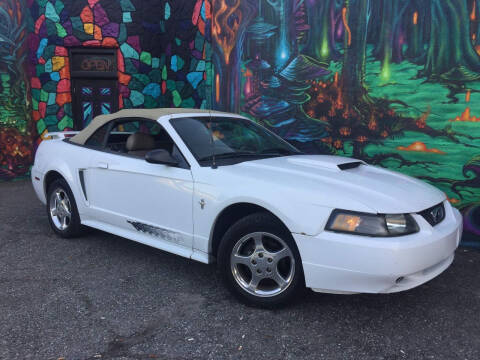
{"x":93,"y":97}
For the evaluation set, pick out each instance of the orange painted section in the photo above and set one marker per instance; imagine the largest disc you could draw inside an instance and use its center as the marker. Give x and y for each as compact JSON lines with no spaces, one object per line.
{"x":217,"y":88}
{"x":347,"y":28}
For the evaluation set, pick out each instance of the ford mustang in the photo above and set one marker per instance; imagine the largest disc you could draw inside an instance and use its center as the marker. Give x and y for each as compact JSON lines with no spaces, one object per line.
{"x":214,"y":186}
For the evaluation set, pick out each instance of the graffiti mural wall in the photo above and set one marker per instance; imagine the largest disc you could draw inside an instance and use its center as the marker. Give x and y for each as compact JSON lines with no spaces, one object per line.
{"x":162,"y":60}
{"x":15,"y":133}
{"x":160,"y":53}
{"x":395,"y":83}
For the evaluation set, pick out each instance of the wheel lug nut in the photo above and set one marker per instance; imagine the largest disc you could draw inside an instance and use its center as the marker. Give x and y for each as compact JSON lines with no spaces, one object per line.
{"x":270,"y":260}
{"x":259,"y":271}
{"x":269,"y":270}
{"x":254,"y":262}
{"x":260,"y":255}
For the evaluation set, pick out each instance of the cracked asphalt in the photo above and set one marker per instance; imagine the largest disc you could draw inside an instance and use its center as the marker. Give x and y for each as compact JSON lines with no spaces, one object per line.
{"x":105,"y":297}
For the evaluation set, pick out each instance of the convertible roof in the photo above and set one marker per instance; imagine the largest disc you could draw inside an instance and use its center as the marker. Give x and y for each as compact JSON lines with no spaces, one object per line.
{"x":153,"y":114}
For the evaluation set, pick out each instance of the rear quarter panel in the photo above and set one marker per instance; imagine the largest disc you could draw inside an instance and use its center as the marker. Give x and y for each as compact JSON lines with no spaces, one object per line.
{"x":64,"y":158}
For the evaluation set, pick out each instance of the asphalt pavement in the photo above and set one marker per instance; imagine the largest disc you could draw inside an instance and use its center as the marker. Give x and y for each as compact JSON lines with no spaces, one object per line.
{"x":104,"y":297}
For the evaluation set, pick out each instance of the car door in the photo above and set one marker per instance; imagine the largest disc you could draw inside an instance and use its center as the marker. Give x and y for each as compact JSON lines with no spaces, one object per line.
{"x":127,"y":192}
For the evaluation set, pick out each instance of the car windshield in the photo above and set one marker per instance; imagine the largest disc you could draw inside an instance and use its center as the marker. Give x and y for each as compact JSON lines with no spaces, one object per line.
{"x":231,"y":140}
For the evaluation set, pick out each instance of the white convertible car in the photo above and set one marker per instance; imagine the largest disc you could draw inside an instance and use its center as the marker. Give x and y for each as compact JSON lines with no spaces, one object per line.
{"x":215,"y":186}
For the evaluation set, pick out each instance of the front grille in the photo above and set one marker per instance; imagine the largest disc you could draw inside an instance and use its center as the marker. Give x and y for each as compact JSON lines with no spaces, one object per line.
{"x":434,"y":215}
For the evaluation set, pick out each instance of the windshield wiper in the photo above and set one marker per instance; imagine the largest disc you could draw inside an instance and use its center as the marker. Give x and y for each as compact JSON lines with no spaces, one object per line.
{"x":229,"y":155}
{"x":266,"y":152}
{"x":280,"y":151}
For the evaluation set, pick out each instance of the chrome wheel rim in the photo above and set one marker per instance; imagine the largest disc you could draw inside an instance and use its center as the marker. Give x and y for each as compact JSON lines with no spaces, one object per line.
{"x":262,"y":264}
{"x":60,"y":209}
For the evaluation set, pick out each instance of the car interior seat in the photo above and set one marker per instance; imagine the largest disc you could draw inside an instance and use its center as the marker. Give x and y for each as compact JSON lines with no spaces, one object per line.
{"x":139,"y":144}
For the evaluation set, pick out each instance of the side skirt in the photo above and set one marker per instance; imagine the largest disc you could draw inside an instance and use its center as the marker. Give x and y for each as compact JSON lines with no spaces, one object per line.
{"x":146,"y":239}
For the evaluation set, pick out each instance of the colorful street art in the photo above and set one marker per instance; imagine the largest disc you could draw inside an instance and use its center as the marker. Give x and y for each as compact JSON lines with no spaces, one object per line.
{"x":16,"y":150}
{"x":161,"y":54}
{"x":393,"y":82}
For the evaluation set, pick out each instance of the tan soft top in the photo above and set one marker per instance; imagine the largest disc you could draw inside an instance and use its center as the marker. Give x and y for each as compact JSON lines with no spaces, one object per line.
{"x":153,"y":114}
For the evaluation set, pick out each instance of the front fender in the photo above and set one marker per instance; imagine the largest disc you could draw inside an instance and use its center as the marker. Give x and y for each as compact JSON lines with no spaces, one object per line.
{"x":298,"y":216}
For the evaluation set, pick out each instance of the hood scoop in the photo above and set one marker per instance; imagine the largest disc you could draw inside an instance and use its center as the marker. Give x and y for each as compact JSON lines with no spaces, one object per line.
{"x":350,"y":165}
{"x":331,"y":162}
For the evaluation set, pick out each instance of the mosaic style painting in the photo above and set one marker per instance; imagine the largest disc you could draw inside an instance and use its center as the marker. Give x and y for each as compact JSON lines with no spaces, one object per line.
{"x":395,"y":83}
{"x":160,"y":44}
{"x":16,"y":152}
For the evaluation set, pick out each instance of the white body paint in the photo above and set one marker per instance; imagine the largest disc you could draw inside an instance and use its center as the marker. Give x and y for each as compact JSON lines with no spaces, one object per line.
{"x":177,"y":209}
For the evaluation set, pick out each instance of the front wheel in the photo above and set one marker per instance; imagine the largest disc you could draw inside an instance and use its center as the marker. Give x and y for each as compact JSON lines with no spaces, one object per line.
{"x":62,"y":210}
{"x":259,"y":261}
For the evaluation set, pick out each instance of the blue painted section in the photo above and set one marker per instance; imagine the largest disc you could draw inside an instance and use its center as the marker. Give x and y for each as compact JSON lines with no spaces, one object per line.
{"x":105,"y":91}
{"x":202,"y":12}
{"x":106,"y":108}
{"x":194,"y":78}
{"x":173,"y":63}
{"x":86,"y":91}
{"x":87,"y":108}
{"x":152,"y":89}
{"x":49,"y":66}
{"x":55,"y":76}
{"x":167,"y":11}
{"x":51,"y":99}
{"x":41,"y":47}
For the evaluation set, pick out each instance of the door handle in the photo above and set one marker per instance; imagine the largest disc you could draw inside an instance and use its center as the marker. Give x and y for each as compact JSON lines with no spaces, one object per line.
{"x":102,"y":165}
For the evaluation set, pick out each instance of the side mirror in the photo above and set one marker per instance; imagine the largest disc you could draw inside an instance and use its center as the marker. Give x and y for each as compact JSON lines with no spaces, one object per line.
{"x":161,"y":156}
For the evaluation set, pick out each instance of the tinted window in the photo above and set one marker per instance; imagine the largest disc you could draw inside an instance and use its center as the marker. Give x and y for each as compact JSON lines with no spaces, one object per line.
{"x":229,"y":138}
{"x":98,"y":137}
{"x":148,"y":135}
{"x":137,"y":137}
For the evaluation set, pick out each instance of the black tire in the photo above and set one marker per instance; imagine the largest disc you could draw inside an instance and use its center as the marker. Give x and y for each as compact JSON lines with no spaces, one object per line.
{"x":261,"y":222}
{"x":74,"y":227}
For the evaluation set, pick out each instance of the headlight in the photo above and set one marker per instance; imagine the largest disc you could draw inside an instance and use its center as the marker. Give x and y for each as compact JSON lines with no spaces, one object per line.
{"x":371,"y":224}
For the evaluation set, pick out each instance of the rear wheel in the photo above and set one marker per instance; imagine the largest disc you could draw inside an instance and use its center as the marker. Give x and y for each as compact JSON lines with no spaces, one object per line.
{"x":62,"y":210}
{"x":259,"y":261}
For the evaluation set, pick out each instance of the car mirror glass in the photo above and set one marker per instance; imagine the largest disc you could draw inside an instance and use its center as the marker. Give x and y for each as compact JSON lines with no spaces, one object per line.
{"x":161,"y":156}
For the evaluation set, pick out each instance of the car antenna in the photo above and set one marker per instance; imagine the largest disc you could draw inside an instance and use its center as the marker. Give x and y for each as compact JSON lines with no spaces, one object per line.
{"x":212,"y":143}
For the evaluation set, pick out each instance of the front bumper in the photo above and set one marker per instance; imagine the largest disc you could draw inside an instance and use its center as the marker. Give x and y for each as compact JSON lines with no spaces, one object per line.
{"x":343,"y":263}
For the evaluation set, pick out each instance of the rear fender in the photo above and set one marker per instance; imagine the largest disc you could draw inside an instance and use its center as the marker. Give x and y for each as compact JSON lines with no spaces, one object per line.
{"x":52,"y":156}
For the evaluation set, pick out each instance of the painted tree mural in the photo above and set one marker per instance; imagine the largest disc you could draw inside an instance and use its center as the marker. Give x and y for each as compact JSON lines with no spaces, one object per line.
{"x":353,"y":75}
{"x":15,"y":133}
{"x":451,"y":55}
{"x":321,"y":39}
{"x":393,"y":82}
{"x":417,"y":28}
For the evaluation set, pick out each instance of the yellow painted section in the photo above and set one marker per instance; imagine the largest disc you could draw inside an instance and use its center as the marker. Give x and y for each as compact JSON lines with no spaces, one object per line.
{"x":58,"y":62}
{"x":88,"y":28}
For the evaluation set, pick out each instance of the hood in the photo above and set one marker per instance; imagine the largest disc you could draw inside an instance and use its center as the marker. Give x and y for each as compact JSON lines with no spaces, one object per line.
{"x":340,"y":182}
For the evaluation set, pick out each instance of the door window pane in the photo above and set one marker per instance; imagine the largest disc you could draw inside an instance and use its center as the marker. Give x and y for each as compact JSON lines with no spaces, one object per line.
{"x":105,"y":91}
{"x":93,"y":97}
{"x":87,"y":90}
{"x":106,"y":108}
{"x":87,"y":111}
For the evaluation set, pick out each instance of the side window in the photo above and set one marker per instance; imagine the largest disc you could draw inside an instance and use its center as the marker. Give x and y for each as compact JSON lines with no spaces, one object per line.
{"x":98,"y":137}
{"x":119,"y":134}
{"x":136,"y":137}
